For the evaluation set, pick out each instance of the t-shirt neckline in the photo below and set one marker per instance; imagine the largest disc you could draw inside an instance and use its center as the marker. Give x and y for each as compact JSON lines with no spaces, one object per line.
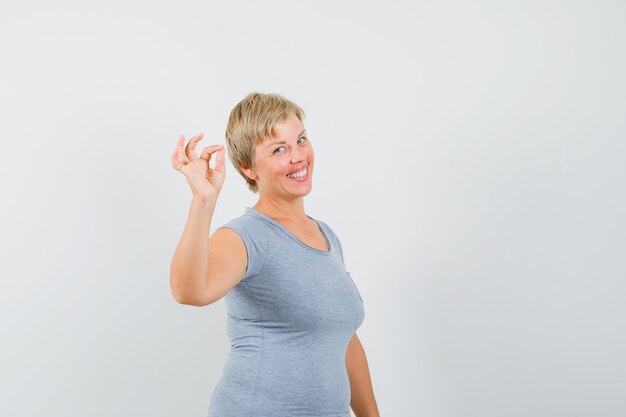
{"x":262,"y":216}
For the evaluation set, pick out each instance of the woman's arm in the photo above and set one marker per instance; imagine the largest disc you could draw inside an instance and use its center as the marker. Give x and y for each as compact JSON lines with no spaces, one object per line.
{"x":204,"y":268}
{"x":362,"y":399}
{"x":190,"y":263}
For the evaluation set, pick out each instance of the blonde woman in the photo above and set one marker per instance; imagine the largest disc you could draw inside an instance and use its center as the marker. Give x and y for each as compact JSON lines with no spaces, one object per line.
{"x":293,"y":309}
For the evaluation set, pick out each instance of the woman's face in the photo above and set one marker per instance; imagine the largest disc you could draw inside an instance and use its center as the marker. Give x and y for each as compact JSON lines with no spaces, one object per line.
{"x":290,"y":152}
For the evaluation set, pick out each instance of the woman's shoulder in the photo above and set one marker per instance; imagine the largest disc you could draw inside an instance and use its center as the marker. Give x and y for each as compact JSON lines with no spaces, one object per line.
{"x":247,"y":223}
{"x":325,"y":225}
{"x":329,"y":230}
{"x":254,"y":234}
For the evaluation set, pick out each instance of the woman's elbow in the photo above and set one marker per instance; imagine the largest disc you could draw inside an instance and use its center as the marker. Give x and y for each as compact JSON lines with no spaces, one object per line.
{"x":187,"y":298}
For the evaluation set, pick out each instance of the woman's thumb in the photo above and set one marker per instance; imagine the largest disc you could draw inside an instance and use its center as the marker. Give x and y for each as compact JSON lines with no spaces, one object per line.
{"x":209,"y":150}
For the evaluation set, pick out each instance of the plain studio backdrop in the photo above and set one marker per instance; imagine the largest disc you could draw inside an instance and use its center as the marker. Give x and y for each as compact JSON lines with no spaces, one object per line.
{"x":469,"y":155}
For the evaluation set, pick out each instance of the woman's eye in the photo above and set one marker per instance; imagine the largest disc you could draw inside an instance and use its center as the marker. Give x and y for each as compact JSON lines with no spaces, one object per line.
{"x":301,"y":137}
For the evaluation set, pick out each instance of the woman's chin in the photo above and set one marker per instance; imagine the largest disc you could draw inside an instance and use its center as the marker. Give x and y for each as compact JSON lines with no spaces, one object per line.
{"x":302,"y":189}
{"x":301,"y":185}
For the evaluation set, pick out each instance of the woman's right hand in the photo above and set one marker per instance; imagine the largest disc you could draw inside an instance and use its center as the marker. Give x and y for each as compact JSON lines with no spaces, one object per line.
{"x":204,"y":182}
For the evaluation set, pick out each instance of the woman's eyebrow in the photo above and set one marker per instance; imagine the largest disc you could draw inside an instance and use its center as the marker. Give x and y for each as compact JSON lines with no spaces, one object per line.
{"x":276,"y":142}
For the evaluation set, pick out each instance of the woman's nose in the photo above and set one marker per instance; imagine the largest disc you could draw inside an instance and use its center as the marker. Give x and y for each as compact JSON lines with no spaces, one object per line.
{"x":297,"y":155}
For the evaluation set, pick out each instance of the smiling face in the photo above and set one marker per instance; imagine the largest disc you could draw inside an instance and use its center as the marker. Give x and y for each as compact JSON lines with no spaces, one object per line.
{"x":277,"y":157}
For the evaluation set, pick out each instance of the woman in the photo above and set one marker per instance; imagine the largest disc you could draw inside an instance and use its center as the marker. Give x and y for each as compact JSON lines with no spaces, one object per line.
{"x":293,"y":309}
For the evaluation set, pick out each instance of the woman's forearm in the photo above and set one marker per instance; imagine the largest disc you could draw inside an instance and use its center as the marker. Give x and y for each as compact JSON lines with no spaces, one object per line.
{"x":189,"y":268}
{"x":362,"y":398}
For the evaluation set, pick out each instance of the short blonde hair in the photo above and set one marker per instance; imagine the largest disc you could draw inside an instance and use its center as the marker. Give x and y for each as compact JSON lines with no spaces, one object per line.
{"x":251,"y":121}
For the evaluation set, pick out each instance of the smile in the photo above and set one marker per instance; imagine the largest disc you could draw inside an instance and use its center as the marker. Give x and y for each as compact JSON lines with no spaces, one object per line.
{"x":299,"y":175}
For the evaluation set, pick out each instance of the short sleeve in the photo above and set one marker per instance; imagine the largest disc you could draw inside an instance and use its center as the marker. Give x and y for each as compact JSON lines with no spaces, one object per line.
{"x":254,"y":235}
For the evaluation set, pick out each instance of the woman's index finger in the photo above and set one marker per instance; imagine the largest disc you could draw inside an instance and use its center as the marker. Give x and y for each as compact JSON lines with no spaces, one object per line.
{"x":191,"y":146}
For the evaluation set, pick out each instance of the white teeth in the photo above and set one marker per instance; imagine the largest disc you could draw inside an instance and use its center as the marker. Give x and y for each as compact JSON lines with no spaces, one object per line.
{"x":298,"y":174}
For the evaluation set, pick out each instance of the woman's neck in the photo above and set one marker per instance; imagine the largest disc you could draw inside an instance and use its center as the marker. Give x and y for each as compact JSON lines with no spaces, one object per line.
{"x":283,"y":210}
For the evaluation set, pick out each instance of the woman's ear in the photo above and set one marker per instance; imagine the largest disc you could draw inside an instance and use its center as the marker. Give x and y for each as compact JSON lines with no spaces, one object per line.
{"x":249,"y":173}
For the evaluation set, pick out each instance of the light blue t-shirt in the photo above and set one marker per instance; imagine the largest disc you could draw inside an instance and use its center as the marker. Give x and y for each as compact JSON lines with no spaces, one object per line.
{"x":289,"y":322}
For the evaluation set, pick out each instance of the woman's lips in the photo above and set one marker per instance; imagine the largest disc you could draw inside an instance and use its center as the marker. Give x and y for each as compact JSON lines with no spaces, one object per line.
{"x":302,"y":179}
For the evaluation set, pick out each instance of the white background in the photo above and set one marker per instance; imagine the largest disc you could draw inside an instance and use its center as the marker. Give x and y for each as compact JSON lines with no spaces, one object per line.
{"x":469,"y":155}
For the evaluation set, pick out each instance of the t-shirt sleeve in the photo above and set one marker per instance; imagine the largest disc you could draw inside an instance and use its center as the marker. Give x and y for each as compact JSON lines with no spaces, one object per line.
{"x":254,"y":236}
